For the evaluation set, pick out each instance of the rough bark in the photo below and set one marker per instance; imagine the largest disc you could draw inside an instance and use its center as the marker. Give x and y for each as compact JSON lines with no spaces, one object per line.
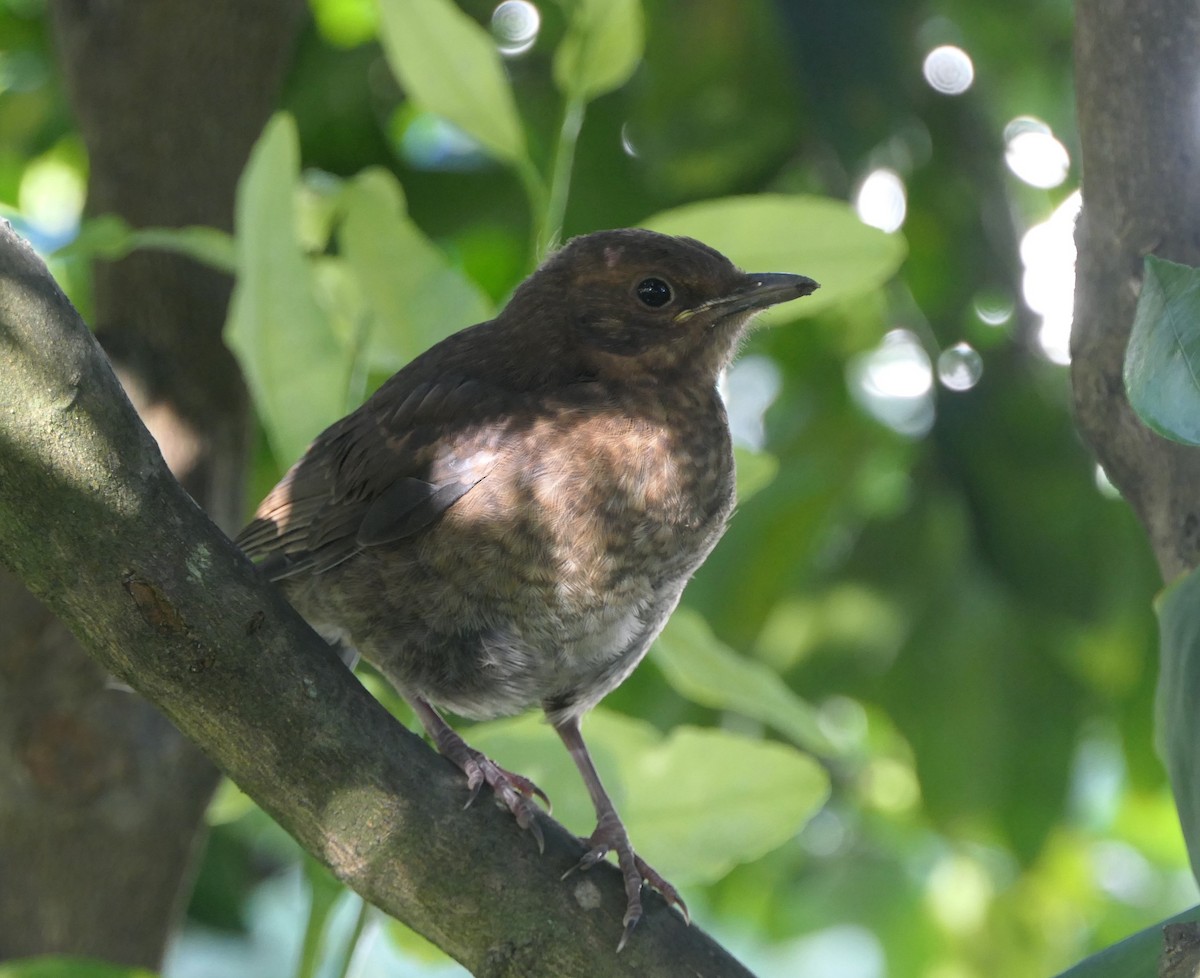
{"x":101,"y":799}
{"x":93,"y":522}
{"x":1137,"y":105}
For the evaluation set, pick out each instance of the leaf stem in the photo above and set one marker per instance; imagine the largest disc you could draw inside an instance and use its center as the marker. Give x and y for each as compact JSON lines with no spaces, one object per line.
{"x":560,"y":177}
{"x":535,"y":193}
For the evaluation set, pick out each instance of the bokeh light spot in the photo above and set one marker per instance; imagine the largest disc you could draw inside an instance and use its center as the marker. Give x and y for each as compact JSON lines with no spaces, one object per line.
{"x":515,"y":26}
{"x":894,"y":383}
{"x":1033,"y":154}
{"x":959,"y":367}
{"x":882,"y":201}
{"x":949,"y":70}
{"x":1048,"y":283}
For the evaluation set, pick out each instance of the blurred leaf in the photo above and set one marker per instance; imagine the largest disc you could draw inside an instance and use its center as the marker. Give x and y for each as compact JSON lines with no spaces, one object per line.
{"x":415,"y":296}
{"x":601,"y":48}
{"x":706,"y":800}
{"x":696,"y":802}
{"x":755,"y":470}
{"x":346,"y":23}
{"x":449,"y":65}
{"x":295,"y":366}
{"x":324,"y":893}
{"x":106,"y":236}
{"x":1135,"y":957}
{"x":53,"y":966}
{"x":814,"y":236}
{"x":110,"y":237}
{"x":1175,"y":706}
{"x":209,"y":245}
{"x":1162,"y":364}
{"x":703,"y":669}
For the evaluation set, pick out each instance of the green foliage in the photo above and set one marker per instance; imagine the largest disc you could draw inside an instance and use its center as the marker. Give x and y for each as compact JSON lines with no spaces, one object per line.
{"x":954,"y":618}
{"x":601,"y":48}
{"x":450,"y":66}
{"x":819,"y":237}
{"x":705,"y":670}
{"x":297,"y":369}
{"x":699,"y":801}
{"x":1162,"y":364}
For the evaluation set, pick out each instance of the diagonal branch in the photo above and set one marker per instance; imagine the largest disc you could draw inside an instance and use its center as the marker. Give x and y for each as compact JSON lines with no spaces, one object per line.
{"x":96,"y":526}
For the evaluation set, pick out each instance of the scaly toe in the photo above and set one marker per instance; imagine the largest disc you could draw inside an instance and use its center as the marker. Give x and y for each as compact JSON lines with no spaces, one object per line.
{"x":511,"y":790}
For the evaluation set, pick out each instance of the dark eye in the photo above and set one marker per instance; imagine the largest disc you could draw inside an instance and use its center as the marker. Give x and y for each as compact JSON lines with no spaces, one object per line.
{"x":654,"y":292}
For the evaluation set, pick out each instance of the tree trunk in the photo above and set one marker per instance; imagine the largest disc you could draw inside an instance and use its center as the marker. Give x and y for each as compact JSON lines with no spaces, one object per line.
{"x":101,"y":799}
{"x":1136,"y":99}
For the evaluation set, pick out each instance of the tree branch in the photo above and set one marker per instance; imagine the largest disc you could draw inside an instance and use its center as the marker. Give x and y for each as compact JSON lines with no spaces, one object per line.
{"x":95,"y":525}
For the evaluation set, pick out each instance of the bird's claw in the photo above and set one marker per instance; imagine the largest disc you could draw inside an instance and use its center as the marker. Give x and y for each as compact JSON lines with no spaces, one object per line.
{"x":611,"y":837}
{"x":512,"y":791}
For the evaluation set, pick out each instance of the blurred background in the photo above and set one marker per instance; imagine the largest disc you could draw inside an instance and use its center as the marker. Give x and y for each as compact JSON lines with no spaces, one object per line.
{"x":929,"y":583}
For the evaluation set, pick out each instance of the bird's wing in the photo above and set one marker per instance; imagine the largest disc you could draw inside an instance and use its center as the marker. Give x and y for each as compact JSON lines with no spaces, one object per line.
{"x":379,"y":475}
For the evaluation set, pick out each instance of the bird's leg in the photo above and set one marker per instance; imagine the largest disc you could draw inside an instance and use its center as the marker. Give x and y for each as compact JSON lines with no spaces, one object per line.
{"x":610,"y":836}
{"x":511,"y":790}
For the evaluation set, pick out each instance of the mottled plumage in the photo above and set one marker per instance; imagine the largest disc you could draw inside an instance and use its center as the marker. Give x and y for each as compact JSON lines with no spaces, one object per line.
{"x":511,"y":518}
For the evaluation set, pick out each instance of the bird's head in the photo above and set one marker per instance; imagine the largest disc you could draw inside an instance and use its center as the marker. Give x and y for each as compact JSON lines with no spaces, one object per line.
{"x":636,"y":303}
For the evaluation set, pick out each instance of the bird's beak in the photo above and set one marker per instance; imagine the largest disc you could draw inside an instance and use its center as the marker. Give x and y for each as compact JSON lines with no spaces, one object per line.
{"x":755,"y":291}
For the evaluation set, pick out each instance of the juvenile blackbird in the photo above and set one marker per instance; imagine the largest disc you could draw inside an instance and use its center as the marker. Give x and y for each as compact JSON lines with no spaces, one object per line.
{"x":511,"y":518}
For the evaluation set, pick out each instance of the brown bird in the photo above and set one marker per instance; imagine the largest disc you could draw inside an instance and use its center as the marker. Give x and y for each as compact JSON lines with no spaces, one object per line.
{"x":511,"y":518}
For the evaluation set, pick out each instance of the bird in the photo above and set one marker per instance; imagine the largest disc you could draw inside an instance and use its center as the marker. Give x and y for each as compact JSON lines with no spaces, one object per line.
{"x":509,"y":520}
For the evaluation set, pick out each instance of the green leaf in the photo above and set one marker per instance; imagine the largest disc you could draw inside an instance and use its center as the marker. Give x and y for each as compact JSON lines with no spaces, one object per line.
{"x":54,"y":966}
{"x":601,"y":48}
{"x":295,"y":365}
{"x":814,"y":236}
{"x":696,"y":803}
{"x":106,"y":236}
{"x":1135,"y":957}
{"x":1162,"y":363}
{"x":1178,"y":731}
{"x":110,"y":237}
{"x":211,"y":246}
{"x":414,"y":296}
{"x":706,"y":671}
{"x":449,"y":66}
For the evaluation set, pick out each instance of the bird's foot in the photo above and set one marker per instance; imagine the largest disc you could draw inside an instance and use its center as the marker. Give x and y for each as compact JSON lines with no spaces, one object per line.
{"x":512,"y":791}
{"x":610,"y":836}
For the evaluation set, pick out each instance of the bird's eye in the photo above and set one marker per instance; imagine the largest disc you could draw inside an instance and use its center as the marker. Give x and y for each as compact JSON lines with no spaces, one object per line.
{"x":654,"y":292}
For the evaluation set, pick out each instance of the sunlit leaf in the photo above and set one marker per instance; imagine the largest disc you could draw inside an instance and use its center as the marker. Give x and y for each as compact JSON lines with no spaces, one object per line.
{"x":346,"y":23}
{"x":296,"y":368}
{"x":703,"y":669}
{"x":697,"y":802}
{"x":54,"y":966}
{"x":601,"y":48}
{"x":1162,"y":363}
{"x":814,"y":236}
{"x":415,"y":296}
{"x":449,"y":66}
